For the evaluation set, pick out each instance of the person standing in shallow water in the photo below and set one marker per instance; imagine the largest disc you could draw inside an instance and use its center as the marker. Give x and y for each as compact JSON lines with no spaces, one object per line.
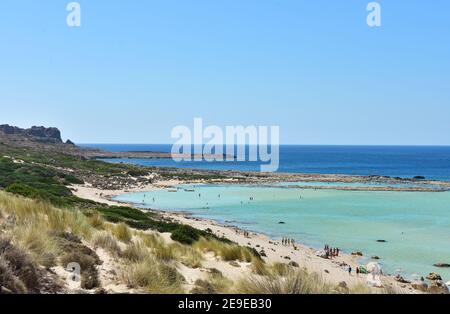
{"x":350,"y":270}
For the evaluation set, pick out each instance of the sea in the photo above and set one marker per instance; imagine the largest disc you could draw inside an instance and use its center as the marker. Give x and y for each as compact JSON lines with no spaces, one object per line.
{"x":431,"y":162}
{"x":414,"y":226}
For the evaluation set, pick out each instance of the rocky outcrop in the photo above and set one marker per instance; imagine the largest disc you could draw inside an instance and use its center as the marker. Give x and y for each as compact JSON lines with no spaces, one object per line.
{"x":434,"y":276}
{"x":37,"y":133}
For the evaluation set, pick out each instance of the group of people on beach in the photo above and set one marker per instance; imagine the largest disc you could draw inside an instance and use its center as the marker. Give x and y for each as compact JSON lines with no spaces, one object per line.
{"x":287,"y":241}
{"x":331,"y":252}
{"x":243,"y":232}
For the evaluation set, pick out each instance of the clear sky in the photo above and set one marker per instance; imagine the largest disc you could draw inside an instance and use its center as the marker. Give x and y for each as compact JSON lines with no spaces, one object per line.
{"x":137,"y":68}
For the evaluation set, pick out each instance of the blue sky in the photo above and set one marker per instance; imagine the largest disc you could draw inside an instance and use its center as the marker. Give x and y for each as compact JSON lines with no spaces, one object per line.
{"x":135,"y":69}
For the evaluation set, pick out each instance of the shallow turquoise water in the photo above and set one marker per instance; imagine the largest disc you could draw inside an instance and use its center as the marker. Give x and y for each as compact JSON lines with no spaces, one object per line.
{"x":415,"y":225}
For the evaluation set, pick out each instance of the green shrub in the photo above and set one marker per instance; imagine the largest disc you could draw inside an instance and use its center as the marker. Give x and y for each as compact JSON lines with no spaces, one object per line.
{"x":185,"y":234}
{"x":137,"y":173}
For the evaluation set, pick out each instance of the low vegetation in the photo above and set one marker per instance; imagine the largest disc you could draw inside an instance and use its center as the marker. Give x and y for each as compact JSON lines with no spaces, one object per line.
{"x":227,"y":251}
{"x":293,"y":282}
{"x":215,"y":283}
{"x":18,"y":273}
{"x":44,"y":235}
{"x":106,"y":241}
{"x":153,"y":277}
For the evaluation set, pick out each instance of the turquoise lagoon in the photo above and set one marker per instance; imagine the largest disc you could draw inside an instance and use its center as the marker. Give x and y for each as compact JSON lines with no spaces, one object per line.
{"x":416,"y":225}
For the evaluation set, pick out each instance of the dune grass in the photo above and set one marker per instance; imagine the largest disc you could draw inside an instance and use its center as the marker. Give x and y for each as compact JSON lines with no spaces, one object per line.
{"x":136,"y":252}
{"x":215,"y":283}
{"x":259,"y":267}
{"x":185,"y":254}
{"x":96,"y":220}
{"x":154,"y":277}
{"x":51,"y":235}
{"x":106,"y":241}
{"x":226,"y":251}
{"x":122,"y":232}
{"x":280,"y":269}
{"x":294,"y":282}
{"x":34,"y":238}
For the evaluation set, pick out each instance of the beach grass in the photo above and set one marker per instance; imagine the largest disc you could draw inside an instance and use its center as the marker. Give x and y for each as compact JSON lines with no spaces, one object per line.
{"x":294,"y":282}
{"x":154,"y":277}
{"x":226,"y":251}
{"x":106,"y":241}
{"x":122,"y":232}
{"x":215,"y":283}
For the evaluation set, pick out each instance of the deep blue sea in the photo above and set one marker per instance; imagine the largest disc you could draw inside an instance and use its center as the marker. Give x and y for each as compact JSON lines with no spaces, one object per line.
{"x":432,"y":162}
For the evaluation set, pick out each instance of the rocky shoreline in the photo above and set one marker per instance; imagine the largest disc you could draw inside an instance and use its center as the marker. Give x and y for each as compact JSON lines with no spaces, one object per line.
{"x":267,"y":179}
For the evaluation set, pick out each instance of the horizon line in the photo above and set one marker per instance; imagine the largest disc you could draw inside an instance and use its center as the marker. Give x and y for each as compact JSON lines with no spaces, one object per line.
{"x":289,"y":144}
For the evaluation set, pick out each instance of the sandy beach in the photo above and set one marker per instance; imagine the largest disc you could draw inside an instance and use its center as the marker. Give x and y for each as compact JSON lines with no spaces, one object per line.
{"x":333,"y":271}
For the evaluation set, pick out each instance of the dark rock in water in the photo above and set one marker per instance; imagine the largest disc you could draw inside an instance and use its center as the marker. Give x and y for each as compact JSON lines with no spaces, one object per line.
{"x":375,"y":257}
{"x":358,"y":253}
{"x":381,"y":241}
{"x":419,"y":178}
{"x":434,"y":276}
{"x":281,"y":223}
{"x":442,"y":265}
